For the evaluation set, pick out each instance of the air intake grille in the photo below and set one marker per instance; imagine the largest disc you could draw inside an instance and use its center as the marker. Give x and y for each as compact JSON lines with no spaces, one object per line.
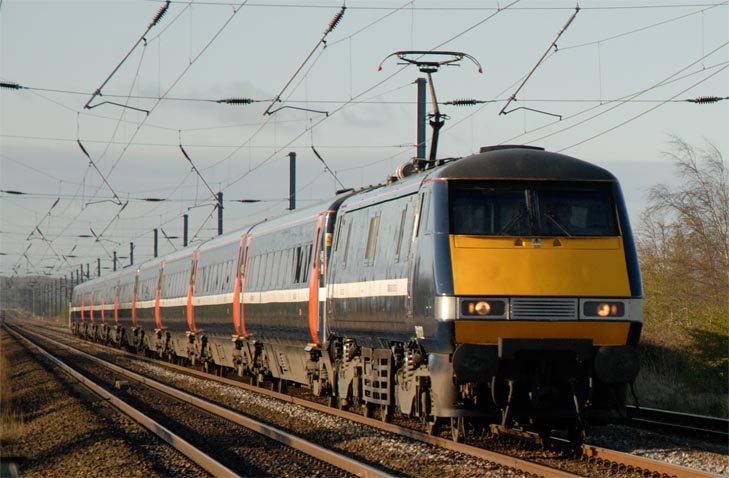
{"x":543,"y":309}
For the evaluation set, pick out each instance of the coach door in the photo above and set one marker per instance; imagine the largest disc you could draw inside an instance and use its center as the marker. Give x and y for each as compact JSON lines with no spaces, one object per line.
{"x":117,"y":289}
{"x":240,"y":286}
{"x":134,"y":299}
{"x":420,"y":216}
{"x":191,"y":327}
{"x":316,"y":281}
{"x":158,"y":297}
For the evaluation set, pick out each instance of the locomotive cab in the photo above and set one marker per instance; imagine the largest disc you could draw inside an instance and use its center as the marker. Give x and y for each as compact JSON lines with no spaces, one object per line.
{"x":546,"y":299}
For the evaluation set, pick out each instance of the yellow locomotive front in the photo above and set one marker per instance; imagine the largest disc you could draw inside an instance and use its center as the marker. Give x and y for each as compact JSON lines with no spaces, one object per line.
{"x":546,"y":291}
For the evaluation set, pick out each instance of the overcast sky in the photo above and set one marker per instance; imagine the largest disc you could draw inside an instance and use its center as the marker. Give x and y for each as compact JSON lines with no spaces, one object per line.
{"x":612,"y":91}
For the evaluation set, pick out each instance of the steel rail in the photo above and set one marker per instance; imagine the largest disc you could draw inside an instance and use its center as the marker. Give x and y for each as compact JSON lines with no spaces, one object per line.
{"x":714,"y":427}
{"x":643,"y":464}
{"x":206,"y":462}
{"x":336,"y":459}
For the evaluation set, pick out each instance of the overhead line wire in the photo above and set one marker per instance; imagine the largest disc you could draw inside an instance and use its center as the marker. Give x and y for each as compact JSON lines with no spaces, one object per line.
{"x":376,"y":85}
{"x":647,"y":27}
{"x":161,"y":13}
{"x":622,"y":100}
{"x":656,"y":85}
{"x":629,"y":120}
{"x":174,"y":83}
{"x":182,"y":74}
{"x":651,"y":5}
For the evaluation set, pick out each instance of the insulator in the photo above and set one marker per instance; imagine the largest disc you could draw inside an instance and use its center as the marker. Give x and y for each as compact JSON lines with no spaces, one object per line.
{"x":236,"y":101}
{"x":705,"y":99}
{"x":464,"y":102}
{"x":335,"y":21}
{"x":11,"y":86}
{"x":86,"y":153}
{"x":160,"y":14}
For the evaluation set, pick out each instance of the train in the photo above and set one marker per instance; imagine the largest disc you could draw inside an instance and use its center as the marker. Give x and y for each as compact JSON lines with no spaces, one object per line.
{"x":501,"y":287}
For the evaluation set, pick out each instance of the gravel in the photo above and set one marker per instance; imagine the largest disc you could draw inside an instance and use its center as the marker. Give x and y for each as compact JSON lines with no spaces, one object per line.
{"x":62,"y":430}
{"x":686,"y":451}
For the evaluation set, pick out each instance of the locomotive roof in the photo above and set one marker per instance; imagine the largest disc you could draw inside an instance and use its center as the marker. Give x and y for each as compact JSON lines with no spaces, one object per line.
{"x":522,"y":162}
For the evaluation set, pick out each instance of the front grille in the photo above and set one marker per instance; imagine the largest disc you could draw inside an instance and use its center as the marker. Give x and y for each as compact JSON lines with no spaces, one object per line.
{"x":543,"y":309}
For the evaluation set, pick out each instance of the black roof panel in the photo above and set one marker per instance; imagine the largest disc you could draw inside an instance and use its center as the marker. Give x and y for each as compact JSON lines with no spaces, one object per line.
{"x":516,"y":162}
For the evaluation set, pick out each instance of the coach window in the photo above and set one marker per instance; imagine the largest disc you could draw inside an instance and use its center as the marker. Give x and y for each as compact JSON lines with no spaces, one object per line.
{"x":291,"y":265}
{"x":205,"y":278}
{"x":252,"y":271}
{"x":372,"y":235}
{"x":302,"y":263}
{"x":197,"y":277}
{"x":348,"y":234}
{"x":169,"y":286}
{"x":340,"y":231}
{"x":400,"y":233}
{"x":424,"y":224}
{"x":260,"y":270}
{"x":283,"y":263}
{"x":305,"y":263}
{"x":264,"y":270}
{"x":272,"y":269}
{"x":211,"y":277}
{"x":275,"y":265}
{"x":229,"y":272}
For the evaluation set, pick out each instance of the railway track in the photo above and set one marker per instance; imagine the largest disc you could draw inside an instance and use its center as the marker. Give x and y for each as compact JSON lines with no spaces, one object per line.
{"x":593,"y":458}
{"x":700,"y":425}
{"x":142,"y":400}
{"x":402,"y":451}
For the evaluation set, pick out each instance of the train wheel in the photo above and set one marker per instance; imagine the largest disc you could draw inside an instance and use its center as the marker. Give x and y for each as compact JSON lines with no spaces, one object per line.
{"x":458,"y":429}
{"x":545,"y":435}
{"x":367,"y":410}
{"x":576,"y":434}
{"x":386,"y":413}
{"x":433,"y":426}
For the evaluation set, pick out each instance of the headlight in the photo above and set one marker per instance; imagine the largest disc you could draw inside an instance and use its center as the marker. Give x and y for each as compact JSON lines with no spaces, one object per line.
{"x":595,"y":308}
{"x":483,"y":308}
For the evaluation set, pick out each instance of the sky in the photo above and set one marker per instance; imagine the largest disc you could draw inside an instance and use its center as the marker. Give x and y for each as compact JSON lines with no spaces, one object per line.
{"x":111,"y":123}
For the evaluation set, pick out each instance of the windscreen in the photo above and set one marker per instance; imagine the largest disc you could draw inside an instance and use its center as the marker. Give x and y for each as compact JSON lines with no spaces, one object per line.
{"x":535,"y":208}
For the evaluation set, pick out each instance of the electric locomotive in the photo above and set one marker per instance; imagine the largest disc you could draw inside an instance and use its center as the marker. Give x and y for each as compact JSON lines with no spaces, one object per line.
{"x":507,"y":287}
{"x":499,"y":287}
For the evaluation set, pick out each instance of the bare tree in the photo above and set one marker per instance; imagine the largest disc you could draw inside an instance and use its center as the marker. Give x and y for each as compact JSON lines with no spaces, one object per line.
{"x":693,"y":218}
{"x":683,"y":245}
